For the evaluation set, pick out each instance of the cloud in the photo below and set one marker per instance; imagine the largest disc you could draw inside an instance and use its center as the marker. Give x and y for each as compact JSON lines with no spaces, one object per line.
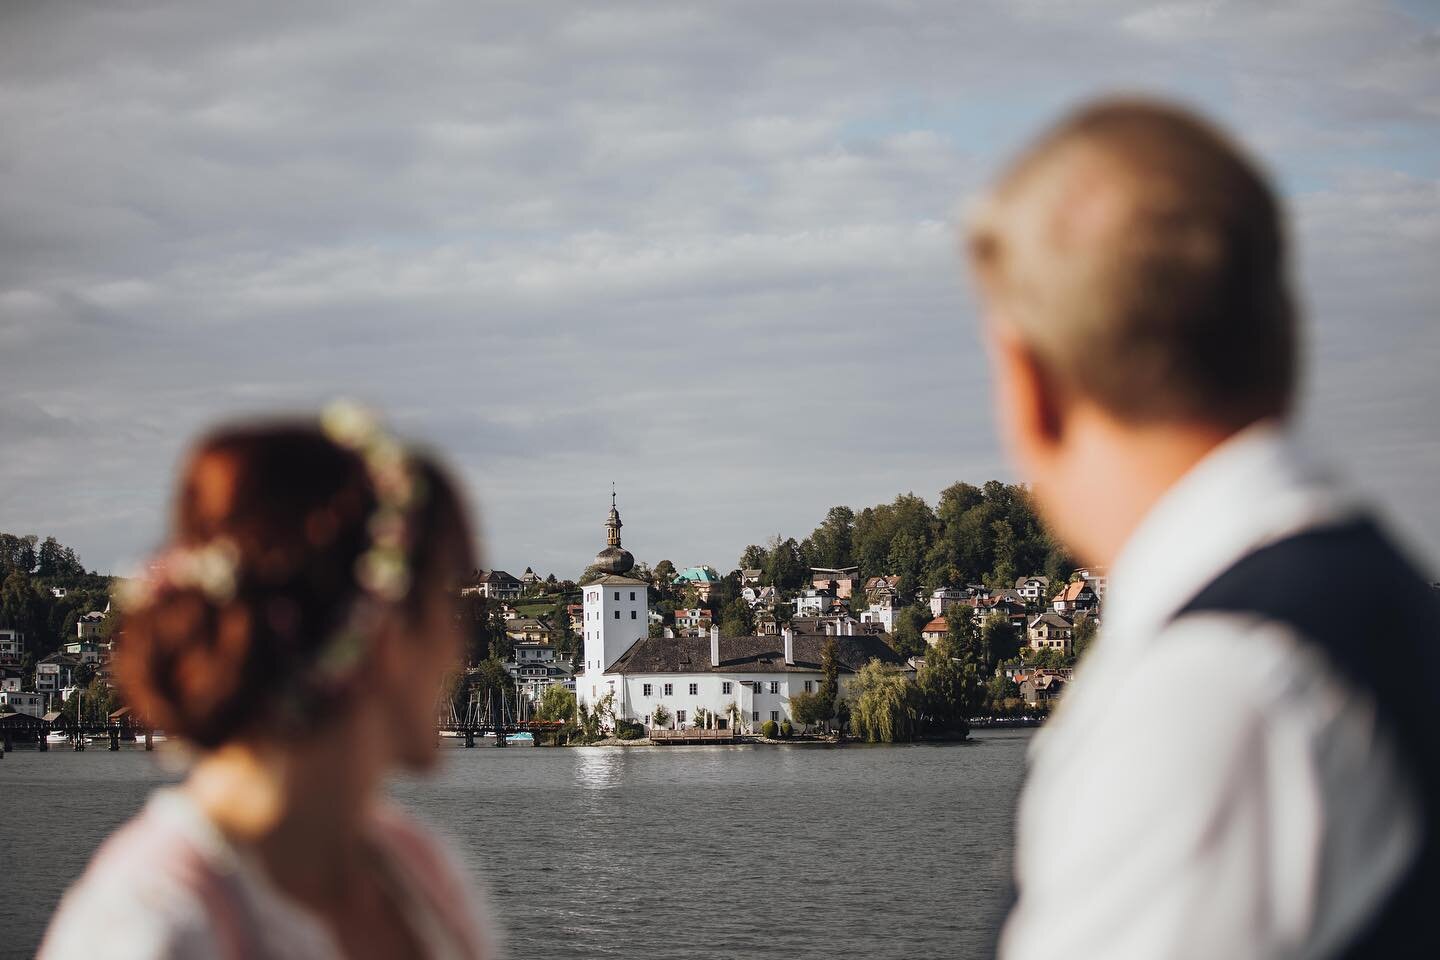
{"x":704,"y":251}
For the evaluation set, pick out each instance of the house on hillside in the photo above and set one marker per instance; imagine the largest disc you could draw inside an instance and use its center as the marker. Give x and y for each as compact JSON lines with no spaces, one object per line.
{"x":12,"y":646}
{"x":89,"y":626}
{"x":492,"y":585}
{"x":704,"y":581}
{"x":692,"y":621}
{"x":527,"y":630}
{"x":934,"y":631}
{"x":1033,"y":589}
{"x":840,"y":581}
{"x":814,"y":603}
{"x":30,"y":704}
{"x":1076,"y":597}
{"x":1050,"y":631}
{"x":758,"y":597}
{"x":1041,"y":686}
{"x":1006,"y":603}
{"x":1098,"y":578}
{"x":55,"y":672}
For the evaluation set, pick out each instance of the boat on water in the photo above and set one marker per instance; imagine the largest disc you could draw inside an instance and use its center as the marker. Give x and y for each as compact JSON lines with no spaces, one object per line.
{"x":57,"y":736}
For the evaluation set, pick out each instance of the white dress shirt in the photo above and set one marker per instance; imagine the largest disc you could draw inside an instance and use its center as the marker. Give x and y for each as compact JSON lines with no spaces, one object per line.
{"x":1208,"y":785}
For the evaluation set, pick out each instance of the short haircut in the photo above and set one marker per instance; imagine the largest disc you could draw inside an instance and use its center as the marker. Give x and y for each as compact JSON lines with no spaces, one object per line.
{"x":1140,"y":255}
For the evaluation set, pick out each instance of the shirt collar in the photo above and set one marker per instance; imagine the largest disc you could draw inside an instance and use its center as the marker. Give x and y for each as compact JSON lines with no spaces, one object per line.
{"x":1255,"y":488}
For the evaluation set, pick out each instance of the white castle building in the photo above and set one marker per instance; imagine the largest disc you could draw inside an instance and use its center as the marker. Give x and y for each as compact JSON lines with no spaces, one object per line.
{"x":754,"y":675}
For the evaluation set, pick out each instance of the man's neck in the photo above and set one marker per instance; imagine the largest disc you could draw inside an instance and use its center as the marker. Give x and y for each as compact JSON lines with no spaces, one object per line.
{"x":1123,"y":470}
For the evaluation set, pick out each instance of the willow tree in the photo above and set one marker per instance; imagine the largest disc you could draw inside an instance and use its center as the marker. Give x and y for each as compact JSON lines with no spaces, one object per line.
{"x":885,"y":704}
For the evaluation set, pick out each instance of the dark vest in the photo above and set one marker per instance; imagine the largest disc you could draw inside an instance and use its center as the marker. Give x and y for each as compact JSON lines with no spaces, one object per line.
{"x":1349,"y":593}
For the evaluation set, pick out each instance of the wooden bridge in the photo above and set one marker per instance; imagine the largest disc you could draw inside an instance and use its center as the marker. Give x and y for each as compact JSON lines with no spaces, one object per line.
{"x":118,"y":726}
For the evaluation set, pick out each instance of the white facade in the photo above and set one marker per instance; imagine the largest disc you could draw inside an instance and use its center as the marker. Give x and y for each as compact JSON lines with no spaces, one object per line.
{"x":12,"y":644}
{"x":881,"y":613}
{"x":617,"y":613}
{"x":759,"y":696}
{"x":32,"y":704}
{"x":88,"y":627}
{"x":944,"y":597}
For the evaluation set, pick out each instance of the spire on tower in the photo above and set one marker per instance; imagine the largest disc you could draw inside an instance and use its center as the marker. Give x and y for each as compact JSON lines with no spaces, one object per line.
{"x":614,"y":558}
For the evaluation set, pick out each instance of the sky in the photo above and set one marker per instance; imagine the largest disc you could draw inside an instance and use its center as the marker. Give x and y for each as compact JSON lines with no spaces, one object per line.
{"x":706,"y":252}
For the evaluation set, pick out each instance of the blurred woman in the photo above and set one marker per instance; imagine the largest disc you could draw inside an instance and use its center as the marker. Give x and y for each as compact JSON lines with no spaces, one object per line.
{"x":296,"y":632}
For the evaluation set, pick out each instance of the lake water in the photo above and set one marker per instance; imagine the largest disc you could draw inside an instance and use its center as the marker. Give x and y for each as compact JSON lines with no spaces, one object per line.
{"x":760,"y":853}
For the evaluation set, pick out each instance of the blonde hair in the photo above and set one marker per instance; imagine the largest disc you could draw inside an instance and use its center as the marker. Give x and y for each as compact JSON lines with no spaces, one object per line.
{"x":1139,"y":254}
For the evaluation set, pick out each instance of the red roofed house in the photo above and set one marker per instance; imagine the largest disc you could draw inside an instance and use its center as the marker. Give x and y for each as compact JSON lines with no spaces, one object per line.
{"x":1077,"y":597}
{"x":934,"y":630}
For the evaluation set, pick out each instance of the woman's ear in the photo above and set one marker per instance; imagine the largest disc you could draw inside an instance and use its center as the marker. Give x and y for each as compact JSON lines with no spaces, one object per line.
{"x":387,"y":648}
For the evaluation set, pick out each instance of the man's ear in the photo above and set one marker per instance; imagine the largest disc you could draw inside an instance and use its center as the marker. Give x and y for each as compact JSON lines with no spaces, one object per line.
{"x":1028,"y":400}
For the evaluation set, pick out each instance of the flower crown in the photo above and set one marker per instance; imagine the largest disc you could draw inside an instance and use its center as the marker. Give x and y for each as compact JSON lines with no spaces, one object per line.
{"x":382,"y":570}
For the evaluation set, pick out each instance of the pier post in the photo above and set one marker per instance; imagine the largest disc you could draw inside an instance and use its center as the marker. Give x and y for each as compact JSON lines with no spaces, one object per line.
{"x":114,"y":738}
{"x":6,"y":744}
{"x":149,"y":739}
{"x":469,"y":737}
{"x":42,"y":742}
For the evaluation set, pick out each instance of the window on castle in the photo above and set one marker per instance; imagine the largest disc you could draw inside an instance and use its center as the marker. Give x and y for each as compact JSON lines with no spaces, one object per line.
{"x":632,"y":615}
{"x":617,"y":594}
{"x":725,"y":687}
{"x":669,"y":689}
{"x":755,"y":717}
{"x":774,"y":686}
{"x":809,"y":686}
{"x":617,"y":614}
{"x":632,"y":594}
{"x":647,"y":719}
{"x":646,"y":690}
{"x":775,"y":715}
{"x":758,"y":686}
{"x":694,"y":689}
{"x":679,"y":716}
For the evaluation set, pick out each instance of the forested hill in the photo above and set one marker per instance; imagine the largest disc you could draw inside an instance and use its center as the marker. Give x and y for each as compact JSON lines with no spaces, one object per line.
{"x":31,"y":572}
{"x":987,"y":534}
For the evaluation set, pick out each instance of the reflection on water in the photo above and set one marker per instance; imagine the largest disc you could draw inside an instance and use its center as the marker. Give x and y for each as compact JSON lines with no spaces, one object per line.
{"x":760,"y":853}
{"x":599,"y":768}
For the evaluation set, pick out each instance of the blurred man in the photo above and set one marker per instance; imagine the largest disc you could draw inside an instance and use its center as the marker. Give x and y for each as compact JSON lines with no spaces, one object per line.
{"x":1246,"y":764}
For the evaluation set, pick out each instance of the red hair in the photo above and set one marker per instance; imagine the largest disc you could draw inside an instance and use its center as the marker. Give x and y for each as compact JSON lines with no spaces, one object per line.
{"x":296,"y":507}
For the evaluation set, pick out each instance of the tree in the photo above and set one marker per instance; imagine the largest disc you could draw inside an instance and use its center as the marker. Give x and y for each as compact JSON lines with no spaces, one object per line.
{"x":831,"y":543}
{"x":785,"y":567}
{"x":830,"y":668}
{"x":999,"y":690}
{"x":808,"y":708}
{"x":566,"y":642}
{"x":660,"y":716}
{"x":754,"y":558}
{"x":964,"y":642}
{"x":1002,"y":640}
{"x":1083,"y":634}
{"x":736,"y":619}
{"x":943,"y":694}
{"x":907,"y":639}
{"x":884,"y":708}
{"x":556,"y":703}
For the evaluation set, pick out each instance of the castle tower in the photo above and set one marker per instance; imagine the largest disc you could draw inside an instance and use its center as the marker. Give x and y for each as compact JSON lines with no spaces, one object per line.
{"x":617,"y":612}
